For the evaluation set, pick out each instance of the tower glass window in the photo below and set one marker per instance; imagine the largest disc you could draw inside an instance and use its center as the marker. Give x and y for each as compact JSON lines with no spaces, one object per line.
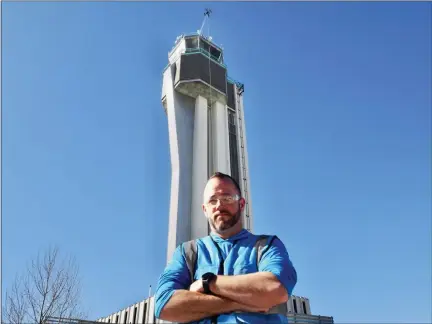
{"x":192,"y":42}
{"x":214,"y":52}
{"x":197,"y":43}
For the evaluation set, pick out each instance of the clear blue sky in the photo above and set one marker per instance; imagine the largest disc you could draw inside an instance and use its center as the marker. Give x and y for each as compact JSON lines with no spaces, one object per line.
{"x":338,"y":112}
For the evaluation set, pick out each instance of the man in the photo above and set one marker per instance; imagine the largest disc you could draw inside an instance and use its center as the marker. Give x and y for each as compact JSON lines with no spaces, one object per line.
{"x":229,"y":284}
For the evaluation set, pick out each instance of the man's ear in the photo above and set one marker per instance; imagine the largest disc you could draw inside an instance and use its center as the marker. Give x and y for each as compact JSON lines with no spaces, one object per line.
{"x":242,"y":202}
{"x":204,"y":208}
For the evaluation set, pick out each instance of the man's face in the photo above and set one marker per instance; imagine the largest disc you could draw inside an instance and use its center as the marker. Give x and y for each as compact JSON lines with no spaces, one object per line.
{"x":221,"y":207}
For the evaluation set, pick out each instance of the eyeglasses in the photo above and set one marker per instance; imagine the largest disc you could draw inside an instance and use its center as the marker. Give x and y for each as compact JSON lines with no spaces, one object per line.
{"x":223,"y":199}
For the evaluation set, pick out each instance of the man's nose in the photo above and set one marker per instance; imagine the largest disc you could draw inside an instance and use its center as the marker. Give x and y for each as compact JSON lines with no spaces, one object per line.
{"x":218,"y":204}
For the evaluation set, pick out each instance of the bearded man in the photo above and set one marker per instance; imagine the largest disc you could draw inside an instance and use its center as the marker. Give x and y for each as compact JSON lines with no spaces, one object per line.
{"x":229,"y":276}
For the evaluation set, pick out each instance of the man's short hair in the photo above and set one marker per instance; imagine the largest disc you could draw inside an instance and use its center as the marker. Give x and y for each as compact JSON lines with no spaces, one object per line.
{"x":224,"y":176}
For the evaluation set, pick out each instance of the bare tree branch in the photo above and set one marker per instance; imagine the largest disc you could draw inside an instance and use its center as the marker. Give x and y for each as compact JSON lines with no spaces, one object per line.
{"x":50,"y":288}
{"x":16,"y":310}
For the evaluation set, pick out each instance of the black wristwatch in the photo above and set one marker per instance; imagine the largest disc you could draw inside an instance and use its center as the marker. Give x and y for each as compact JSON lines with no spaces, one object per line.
{"x":207,"y":278}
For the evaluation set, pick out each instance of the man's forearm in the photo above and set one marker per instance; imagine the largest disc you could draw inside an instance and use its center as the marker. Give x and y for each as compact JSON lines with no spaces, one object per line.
{"x":260,"y":289}
{"x":188,"y":306}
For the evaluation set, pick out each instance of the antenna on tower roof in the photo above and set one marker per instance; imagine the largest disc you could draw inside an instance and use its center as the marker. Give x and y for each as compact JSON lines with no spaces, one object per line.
{"x":207,"y":13}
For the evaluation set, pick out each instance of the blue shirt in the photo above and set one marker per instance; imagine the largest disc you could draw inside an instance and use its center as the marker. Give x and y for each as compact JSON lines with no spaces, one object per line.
{"x":239,"y":254}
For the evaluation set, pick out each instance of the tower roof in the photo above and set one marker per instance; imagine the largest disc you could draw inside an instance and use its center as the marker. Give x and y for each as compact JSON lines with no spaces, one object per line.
{"x":207,"y":39}
{"x":198,"y":42}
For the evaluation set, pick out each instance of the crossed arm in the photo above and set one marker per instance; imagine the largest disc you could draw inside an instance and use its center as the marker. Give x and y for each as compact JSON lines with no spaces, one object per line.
{"x":199,"y":306}
{"x":255,"y":292}
{"x":260,"y":289}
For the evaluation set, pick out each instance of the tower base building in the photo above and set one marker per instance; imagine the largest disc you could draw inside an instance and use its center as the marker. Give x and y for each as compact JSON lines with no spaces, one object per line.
{"x":299,"y":311}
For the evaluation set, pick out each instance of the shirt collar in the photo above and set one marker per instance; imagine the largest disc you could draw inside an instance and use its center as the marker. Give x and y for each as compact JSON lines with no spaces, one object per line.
{"x":240,"y":235}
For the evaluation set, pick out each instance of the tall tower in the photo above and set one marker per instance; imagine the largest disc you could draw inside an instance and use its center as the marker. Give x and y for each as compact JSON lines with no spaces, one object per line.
{"x":206,"y":133}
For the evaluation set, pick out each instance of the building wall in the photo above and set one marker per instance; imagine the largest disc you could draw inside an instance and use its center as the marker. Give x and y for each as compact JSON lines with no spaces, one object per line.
{"x":299,"y":305}
{"x":200,"y":167}
{"x":220,"y":138}
{"x":144,"y":314}
{"x":175,"y":53}
{"x":309,"y":319}
{"x":141,"y":318}
{"x":180,"y":114}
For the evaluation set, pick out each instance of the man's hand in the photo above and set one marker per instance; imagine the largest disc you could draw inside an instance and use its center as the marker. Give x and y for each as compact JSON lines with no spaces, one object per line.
{"x":198,"y":306}
{"x":197,"y":286}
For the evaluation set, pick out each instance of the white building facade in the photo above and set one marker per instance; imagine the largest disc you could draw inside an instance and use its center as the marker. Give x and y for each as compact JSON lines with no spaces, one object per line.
{"x":299,"y":311}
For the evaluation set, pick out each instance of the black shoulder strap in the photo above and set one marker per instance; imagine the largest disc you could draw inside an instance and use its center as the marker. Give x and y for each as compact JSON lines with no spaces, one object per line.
{"x":190,"y":253}
{"x":262,"y":246}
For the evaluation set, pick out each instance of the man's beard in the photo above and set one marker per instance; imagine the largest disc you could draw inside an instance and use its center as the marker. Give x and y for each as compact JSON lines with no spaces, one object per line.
{"x":224,"y":225}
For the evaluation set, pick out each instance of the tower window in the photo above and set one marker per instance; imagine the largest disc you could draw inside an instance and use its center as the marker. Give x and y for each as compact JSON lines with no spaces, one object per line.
{"x":191,"y":42}
{"x":304,"y":307}
{"x":295,"y":306}
{"x":214,"y":52}
{"x":134,"y":315}
{"x":144,"y":313}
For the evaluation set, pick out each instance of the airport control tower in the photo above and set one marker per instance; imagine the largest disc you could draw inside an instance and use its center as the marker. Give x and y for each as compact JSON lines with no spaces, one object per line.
{"x":206,"y":129}
{"x":206,"y":134}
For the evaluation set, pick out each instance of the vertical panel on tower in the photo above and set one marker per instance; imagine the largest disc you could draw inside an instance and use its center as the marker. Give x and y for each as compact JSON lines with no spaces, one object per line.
{"x":219,"y":134}
{"x":200,"y":168}
{"x":180,"y":113}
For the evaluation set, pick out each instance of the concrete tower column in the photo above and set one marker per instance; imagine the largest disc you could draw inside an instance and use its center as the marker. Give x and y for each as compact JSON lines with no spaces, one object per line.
{"x":220,"y":138}
{"x":180,"y":113}
{"x":200,"y":167}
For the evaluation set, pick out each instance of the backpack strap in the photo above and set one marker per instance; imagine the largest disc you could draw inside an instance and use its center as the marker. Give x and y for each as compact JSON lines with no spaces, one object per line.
{"x":262,"y":247}
{"x":190,"y":254}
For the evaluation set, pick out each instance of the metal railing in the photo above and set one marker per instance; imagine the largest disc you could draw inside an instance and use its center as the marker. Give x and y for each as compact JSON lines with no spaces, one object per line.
{"x":232,"y":81}
{"x":309,"y":319}
{"x":58,"y":320}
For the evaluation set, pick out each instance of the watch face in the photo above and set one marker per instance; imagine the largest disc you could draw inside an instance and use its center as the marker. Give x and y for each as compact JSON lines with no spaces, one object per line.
{"x":208,"y":276}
